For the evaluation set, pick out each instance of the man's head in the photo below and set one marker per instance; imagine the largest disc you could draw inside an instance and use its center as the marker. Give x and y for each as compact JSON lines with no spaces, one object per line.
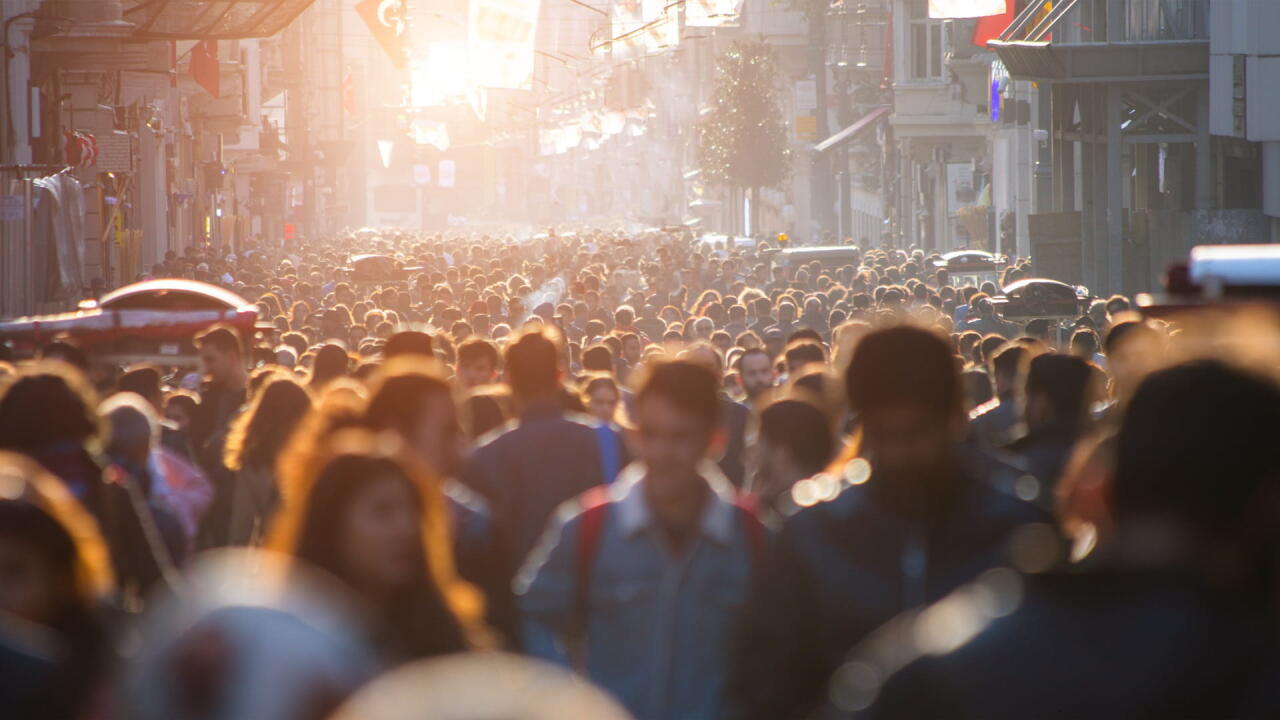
{"x":1057,"y":391}
{"x":1198,"y":448}
{"x":786,"y":312}
{"x":1133,"y":349}
{"x":755,"y":372}
{"x":677,"y":414}
{"x":903,"y":383}
{"x":795,"y":442}
{"x":221,"y":356}
{"x":145,"y":381}
{"x":804,"y":352}
{"x":533,"y":366}
{"x":477,"y":362}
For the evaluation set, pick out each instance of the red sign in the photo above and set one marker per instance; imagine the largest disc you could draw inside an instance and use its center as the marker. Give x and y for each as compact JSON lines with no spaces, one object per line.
{"x":288,"y":231}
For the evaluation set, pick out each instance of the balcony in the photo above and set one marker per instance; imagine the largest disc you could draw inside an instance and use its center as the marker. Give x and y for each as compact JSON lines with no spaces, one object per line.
{"x":1108,"y":40}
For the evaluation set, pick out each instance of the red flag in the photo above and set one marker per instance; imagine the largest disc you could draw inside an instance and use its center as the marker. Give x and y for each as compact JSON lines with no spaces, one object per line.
{"x":990,"y":27}
{"x":204,"y":65}
{"x":349,"y":94}
{"x":386,"y":20}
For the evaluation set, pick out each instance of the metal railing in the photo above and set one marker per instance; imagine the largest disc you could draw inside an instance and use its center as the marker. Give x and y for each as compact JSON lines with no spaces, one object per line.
{"x":1082,"y":22}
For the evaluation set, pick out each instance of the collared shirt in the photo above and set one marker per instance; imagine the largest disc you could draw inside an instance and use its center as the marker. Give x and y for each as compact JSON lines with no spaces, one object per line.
{"x":657,"y":620}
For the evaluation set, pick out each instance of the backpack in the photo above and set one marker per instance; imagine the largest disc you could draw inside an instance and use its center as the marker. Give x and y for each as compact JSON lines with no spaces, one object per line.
{"x":595,"y":506}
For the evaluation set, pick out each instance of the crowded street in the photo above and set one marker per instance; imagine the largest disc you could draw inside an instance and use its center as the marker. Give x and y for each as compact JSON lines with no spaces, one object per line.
{"x":713,"y":360}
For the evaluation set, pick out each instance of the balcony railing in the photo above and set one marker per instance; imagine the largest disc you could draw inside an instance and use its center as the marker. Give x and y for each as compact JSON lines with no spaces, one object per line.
{"x":1082,"y":22}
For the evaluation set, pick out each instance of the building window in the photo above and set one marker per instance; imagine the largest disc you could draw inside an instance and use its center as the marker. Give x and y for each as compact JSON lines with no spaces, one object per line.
{"x":926,"y":42}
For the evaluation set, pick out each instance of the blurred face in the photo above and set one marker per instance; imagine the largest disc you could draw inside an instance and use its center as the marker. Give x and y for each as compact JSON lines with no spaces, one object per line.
{"x":477,"y":372}
{"x":631,"y":350}
{"x":217,"y":364}
{"x":178,"y":414}
{"x":602,"y":403}
{"x":438,"y":439}
{"x":28,"y":584}
{"x":671,"y":442}
{"x":757,"y":374}
{"x":381,"y":549}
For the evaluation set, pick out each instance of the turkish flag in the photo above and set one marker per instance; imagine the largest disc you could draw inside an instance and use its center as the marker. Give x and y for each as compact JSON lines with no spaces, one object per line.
{"x":387,"y":21}
{"x":204,"y":65}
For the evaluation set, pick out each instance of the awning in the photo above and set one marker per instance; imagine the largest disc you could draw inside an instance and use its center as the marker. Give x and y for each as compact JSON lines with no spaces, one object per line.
{"x":211,"y":19}
{"x":852,"y":131}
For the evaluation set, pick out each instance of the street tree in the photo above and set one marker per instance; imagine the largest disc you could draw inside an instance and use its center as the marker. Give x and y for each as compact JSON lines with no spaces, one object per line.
{"x":743,"y":137}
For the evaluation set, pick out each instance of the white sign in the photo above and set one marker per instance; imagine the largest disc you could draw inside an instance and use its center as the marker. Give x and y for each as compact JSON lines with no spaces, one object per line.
{"x":446,"y":175}
{"x":806,"y":95}
{"x":422,"y":174}
{"x":501,"y":35}
{"x":949,"y":9}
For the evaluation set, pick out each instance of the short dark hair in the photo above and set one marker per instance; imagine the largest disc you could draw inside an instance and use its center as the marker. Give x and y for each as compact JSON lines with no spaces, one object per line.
{"x":688,"y":386}
{"x":1197,"y":443}
{"x":222,"y":338}
{"x":408,"y":342}
{"x":476,"y":350}
{"x":802,"y":429}
{"x":1063,"y":381}
{"x":533,"y":363}
{"x":903,"y":365}
{"x":142,"y":379}
{"x":803,"y":352}
{"x":598,"y":358}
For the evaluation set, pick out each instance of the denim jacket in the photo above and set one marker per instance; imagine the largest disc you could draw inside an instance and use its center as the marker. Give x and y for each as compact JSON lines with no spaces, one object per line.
{"x":657,"y":624}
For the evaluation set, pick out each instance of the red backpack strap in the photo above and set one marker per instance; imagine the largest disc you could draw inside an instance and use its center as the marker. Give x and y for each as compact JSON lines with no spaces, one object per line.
{"x":752,"y":528}
{"x":595,"y":505}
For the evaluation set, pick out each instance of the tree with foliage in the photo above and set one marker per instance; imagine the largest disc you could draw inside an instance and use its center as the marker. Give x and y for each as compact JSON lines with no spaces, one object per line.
{"x":743,"y":138}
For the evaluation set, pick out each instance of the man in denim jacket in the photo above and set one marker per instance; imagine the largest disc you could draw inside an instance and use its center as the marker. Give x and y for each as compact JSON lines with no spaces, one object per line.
{"x":638,"y":586}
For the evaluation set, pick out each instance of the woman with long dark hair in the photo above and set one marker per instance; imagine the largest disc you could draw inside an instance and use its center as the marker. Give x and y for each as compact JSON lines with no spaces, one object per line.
{"x":373,"y":517}
{"x":254,"y":442}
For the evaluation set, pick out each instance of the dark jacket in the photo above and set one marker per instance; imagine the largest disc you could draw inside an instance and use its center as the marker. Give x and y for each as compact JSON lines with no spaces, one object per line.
{"x":734,"y":416}
{"x":525,"y":472}
{"x":1101,"y":644}
{"x":841,"y":568}
{"x":209,"y":425}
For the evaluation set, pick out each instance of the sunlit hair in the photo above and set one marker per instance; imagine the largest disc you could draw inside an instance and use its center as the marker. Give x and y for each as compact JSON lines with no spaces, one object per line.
{"x":24,"y":481}
{"x":259,"y":434}
{"x":399,"y":390}
{"x":339,"y":407}
{"x":346,"y":461}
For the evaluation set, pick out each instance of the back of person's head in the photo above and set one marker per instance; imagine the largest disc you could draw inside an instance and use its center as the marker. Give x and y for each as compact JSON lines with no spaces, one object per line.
{"x":399,"y":393}
{"x":143,"y":380}
{"x":408,"y":342}
{"x":132,"y":426}
{"x":1198,"y":445}
{"x":687,"y":385}
{"x":1084,"y":342}
{"x":802,"y":429}
{"x":222,"y":338}
{"x":1126,"y":331}
{"x":65,"y":349}
{"x":597,"y":358}
{"x":903,"y":366}
{"x":1006,"y":363}
{"x":1061,"y":384}
{"x":533,"y":364}
{"x":59,"y":396}
{"x":258,"y":435}
{"x":804,"y":352}
{"x":986,"y":348}
{"x":331,"y":362}
{"x":977,"y":387}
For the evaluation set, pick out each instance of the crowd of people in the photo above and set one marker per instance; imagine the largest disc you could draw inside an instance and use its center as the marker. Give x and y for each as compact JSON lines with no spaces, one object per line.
{"x":709,"y":484}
